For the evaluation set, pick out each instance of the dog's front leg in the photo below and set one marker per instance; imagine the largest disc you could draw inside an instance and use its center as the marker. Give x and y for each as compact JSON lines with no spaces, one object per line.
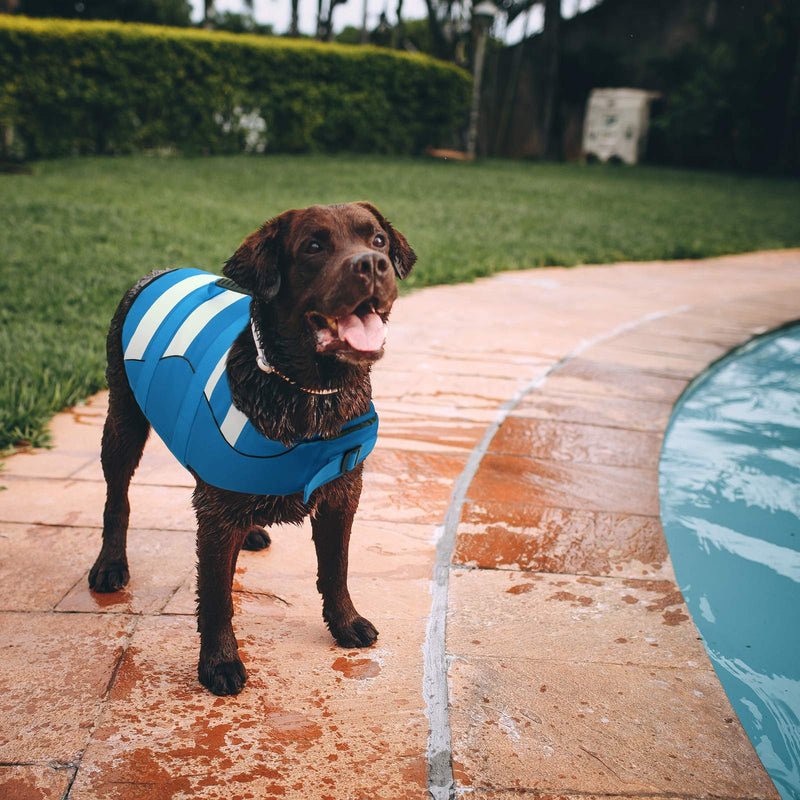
{"x":331,"y":526}
{"x":218,"y":544}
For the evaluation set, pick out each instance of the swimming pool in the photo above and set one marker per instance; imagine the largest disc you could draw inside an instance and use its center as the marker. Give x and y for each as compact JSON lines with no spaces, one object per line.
{"x":729,"y":485}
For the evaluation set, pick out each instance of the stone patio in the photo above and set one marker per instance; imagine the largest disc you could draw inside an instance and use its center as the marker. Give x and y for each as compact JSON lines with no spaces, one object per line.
{"x":508,"y":547}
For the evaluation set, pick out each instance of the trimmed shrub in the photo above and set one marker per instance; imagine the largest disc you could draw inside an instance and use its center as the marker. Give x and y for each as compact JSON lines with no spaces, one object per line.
{"x":69,"y":88}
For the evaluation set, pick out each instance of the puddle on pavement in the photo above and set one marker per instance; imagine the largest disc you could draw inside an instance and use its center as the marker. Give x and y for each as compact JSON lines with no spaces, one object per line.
{"x":358,"y":669}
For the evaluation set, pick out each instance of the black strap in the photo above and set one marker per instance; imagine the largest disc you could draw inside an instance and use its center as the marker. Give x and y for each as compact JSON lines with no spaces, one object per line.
{"x":227,"y":283}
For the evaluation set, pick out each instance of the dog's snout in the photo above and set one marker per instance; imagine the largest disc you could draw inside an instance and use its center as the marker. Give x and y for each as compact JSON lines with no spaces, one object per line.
{"x":370,"y":265}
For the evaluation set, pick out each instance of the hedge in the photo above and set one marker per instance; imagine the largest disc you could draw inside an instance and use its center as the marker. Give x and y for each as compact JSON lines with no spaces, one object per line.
{"x":70,"y":88}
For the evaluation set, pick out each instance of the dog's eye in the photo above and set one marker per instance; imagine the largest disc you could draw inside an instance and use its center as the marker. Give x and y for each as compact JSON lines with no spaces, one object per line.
{"x":313,"y":246}
{"x":379,"y":240}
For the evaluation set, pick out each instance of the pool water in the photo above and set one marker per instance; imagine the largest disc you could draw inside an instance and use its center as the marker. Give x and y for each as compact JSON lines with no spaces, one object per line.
{"x":729,"y":483}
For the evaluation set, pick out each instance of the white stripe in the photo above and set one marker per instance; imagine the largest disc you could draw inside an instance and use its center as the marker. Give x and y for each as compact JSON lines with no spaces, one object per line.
{"x":154,"y":315}
{"x":216,"y":373}
{"x":233,"y":425}
{"x":197,"y":320}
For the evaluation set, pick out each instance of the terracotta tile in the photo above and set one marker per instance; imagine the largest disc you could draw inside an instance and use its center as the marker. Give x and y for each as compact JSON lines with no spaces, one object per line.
{"x":588,"y":487}
{"x":46,"y":463}
{"x":75,"y":441}
{"x":581,"y":443}
{"x":81,"y":427}
{"x":490,"y":794}
{"x":26,"y":782}
{"x":565,"y":728}
{"x":427,"y":408}
{"x":389,"y":575}
{"x":159,"y":563}
{"x":420,"y":364}
{"x":639,"y":340}
{"x":683,"y":367}
{"x":80,"y":504}
{"x":312,"y":721}
{"x":472,"y":390}
{"x":702,"y":326}
{"x":617,"y":412}
{"x":157,"y":467}
{"x":572,"y":619}
{"x":545,"y":539}
{"x":388,"y":383}
{"x":54,"y":672}
{"x":584,"y":376}
{"x":40,"y":564}
{"x":407,"y":486}
{"x":407,"y":431}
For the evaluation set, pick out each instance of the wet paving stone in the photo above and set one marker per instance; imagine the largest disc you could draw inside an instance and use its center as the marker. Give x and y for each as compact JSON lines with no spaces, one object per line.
{"x":583,"y":487}
{"x":54,"y":673}
{"x":573,"y":619}
{"x":494,"y":535}
{"x":591,"y":409}
{"x":40,"y":564}
{"x":27,"y":782}
{"x":578,"y":442}
{"x":560,"y":727}
{"x":583,"y":375}
{"x":313,"y":720}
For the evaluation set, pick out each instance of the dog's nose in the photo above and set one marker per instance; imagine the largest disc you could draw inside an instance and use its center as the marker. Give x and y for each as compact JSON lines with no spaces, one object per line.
{"x":370,"y":264}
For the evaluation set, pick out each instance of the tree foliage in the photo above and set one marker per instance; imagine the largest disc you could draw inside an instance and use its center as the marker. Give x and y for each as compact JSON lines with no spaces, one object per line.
{"x":157,"y":12}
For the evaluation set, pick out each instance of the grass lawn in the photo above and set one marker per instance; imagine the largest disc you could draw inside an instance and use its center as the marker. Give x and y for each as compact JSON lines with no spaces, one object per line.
{"x":78,"y":232}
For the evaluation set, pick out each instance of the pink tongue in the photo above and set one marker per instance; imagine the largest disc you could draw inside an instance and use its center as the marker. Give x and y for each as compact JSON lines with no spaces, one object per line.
{"x":366,"y":334}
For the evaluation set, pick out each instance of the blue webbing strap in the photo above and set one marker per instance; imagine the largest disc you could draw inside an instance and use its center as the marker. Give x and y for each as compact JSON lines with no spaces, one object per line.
{"x":334,"y":468}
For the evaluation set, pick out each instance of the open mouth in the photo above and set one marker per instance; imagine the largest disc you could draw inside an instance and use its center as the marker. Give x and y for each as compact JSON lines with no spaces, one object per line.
{"x":363,"y":330}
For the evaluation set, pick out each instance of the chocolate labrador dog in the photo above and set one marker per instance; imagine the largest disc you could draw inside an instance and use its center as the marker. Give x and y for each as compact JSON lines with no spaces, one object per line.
{"x":313,"y":289}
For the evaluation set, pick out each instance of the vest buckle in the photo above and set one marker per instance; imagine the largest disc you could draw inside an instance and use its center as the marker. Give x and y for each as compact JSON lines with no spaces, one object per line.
{"x":350,"y":459}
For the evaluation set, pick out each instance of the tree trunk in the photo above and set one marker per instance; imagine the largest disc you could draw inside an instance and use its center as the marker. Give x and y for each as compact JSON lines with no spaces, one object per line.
{"x":551,"y":45}
{"x":294,"y":29}
{"x":320,"y":21}
{"x":364,"y":32}
{"x":208,"y":10}
{"x":399,"y":31}
{"x":481,"y":35}
{"x":438,"y":39}
{"x":790,"y":155}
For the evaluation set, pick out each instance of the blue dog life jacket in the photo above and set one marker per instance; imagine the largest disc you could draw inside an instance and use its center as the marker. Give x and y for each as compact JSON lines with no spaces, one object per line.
{"x":176,"y":339}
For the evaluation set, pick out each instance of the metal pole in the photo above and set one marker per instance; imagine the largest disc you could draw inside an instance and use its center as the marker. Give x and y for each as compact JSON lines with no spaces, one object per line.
{"x":474,"y":113}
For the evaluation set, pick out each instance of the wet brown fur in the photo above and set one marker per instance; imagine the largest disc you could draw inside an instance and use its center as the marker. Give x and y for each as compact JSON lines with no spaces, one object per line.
{"x":286,"y":281}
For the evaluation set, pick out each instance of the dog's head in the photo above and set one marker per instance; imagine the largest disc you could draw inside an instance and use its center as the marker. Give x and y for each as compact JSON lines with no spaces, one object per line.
{"x":330,"y":272}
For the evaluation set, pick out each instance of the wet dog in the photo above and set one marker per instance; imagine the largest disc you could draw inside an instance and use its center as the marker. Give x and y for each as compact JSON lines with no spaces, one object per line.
{"x":322,"y":281}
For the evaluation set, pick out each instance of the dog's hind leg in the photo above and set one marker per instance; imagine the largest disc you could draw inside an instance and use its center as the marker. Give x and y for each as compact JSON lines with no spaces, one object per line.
{"x":257,"y":539}
{"x":124,"y":436}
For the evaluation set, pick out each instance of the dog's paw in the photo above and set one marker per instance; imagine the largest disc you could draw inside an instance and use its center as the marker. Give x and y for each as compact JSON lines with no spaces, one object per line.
{"x":359,"y":633}
{"x":257,"y":539}
{"x":225,"y":678}
{"x":108,"y":577}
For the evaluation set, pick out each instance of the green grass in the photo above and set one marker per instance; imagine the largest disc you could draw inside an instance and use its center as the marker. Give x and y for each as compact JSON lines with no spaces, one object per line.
{"x":78,"y":232}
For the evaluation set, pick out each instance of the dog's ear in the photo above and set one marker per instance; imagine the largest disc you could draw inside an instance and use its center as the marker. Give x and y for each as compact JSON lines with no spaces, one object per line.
{"x":255,"y":266}
{"x":400,"y":252}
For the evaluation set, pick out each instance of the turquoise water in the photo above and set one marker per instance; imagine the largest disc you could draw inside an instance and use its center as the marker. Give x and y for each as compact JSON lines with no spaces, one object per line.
{"x":729,"y":482}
